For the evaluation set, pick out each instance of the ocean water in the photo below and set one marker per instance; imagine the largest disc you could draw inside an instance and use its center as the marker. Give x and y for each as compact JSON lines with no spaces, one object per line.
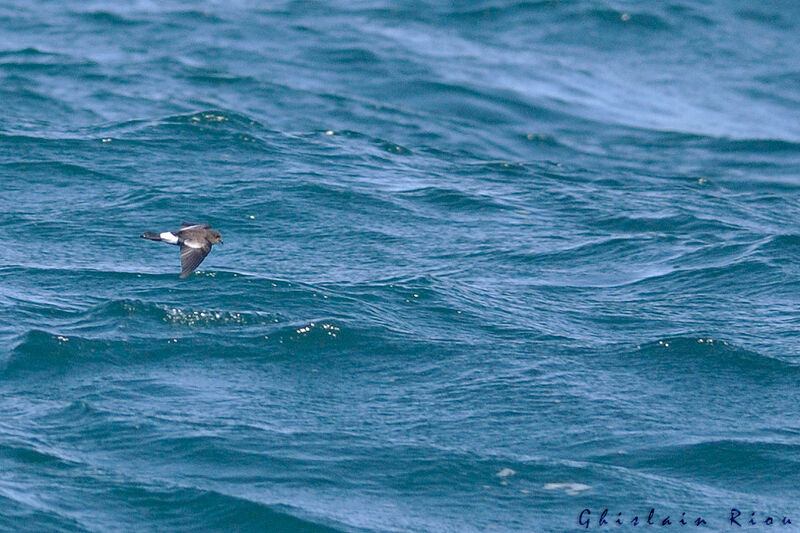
{"x":486,"y":265}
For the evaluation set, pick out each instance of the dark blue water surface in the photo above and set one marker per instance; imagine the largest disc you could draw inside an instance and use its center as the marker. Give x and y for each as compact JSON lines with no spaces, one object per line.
{"x":486,"y":264}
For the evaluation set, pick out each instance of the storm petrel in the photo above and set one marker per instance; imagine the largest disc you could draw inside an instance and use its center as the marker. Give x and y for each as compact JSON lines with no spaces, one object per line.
{"x":195,"y":241}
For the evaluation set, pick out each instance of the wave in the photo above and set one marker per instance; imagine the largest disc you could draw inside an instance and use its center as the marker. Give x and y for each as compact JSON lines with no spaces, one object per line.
{"x":666,"y":224}
{"x":384,"y":146}
{"x":35,"y":59}
{"x":770,"y":20}
{"x":746,"y":274}
{"x":720,"y":460}
{"x":52,"y":169}
{"x":508,"y":12}
{"x":474,"y":103}
{"x":220,"y":77}
{"x":757,"y":146}
{"x":774,"y":247}
{"x":171,"y":314}
{"x":668,"y":139}
{"x":333,"y":194}
{"x":193,"y":16}
{"x":354,"y":56}
{"x":439,"y":197}
{"x":177,"y":507}
{"x":215,"y":125}
{"x":29,"y":52}
{"x":129,"y":332}
{"x":107,"y":18}
{"x":696,"y":357}
{"x":612,"y":19}
{"x":213,"y":117}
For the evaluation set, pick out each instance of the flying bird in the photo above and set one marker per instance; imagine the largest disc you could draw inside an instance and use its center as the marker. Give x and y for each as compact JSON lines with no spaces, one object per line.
{"x":195,"y":241}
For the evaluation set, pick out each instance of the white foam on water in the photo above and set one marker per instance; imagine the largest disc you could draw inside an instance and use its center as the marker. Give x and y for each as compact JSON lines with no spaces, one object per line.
{"x":571,"y":489}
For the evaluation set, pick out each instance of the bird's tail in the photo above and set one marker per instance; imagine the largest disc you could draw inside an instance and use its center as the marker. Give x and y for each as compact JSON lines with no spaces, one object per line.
{"x":152,"y":236}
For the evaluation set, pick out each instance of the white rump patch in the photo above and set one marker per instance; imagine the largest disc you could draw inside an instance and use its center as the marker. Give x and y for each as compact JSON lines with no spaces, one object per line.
{"x":169,"y":237}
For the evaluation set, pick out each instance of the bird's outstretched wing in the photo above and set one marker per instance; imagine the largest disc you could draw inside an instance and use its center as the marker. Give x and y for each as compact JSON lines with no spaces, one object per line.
{"x":186,"y":225}
{"x":191,"y":257}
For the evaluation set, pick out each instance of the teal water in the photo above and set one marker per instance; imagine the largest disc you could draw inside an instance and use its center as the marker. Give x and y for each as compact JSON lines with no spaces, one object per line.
{"x":485,"y":265}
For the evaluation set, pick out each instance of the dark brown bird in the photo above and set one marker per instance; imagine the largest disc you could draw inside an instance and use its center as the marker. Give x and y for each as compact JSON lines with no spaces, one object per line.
{"x":195,"y":241}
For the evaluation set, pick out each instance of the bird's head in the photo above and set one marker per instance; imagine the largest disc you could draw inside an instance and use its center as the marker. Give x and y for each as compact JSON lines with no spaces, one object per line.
{"x":215,"y":237}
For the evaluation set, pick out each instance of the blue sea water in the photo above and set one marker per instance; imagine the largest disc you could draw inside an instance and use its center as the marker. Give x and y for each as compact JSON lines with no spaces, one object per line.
{"x":486,"y":265}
